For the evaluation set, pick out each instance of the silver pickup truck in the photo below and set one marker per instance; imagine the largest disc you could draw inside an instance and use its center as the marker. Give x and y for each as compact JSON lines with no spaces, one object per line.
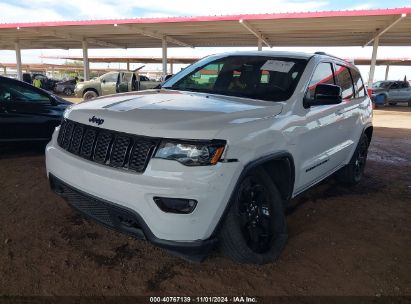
{"x":112,"y":83}
{"x":391,"y":92}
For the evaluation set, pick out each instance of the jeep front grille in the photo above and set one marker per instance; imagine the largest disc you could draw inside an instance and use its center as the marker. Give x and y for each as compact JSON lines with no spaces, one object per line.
{"x":111,"y":148}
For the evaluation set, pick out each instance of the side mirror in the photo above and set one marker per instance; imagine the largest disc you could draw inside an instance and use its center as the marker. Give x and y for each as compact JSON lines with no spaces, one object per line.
{"x":168,"y":77}
{"x":325,"y":94}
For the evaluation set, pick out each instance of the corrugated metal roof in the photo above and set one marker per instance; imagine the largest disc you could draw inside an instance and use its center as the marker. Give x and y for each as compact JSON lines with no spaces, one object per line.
{"x":330,"y":28}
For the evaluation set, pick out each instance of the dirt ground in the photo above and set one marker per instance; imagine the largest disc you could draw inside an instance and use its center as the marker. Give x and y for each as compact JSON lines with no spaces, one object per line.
{"x":354,"y":241}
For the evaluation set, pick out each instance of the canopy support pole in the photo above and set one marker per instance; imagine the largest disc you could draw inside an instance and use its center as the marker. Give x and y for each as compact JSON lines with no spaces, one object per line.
{"x":373,"y":61}
{"x":171,"y":68}
{"x":5,"y":71}
{"x":164,"y":55}
{"x":18,"y":61}
{"x":387,"y":70}
{"x":128,"y":65}
{"x":86,"y":65}
{"x":260,"y":44}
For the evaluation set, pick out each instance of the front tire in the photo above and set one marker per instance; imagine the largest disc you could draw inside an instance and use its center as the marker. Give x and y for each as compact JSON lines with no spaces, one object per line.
{"x":352,"y":173}
{"x":255,"y":229}
{"x":68,"y":92}
{"x":88,"y":95}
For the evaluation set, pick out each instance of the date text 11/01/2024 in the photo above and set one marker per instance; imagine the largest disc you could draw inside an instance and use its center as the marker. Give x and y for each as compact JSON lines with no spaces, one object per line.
{"x":236,"y":299}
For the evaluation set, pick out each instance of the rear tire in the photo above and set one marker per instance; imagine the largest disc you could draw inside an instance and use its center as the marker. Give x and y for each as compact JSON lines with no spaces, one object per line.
{"x":393,"y":103}
{"x":352,"y":173}
{"x":88,"y":95}
{"x":255,"y":229}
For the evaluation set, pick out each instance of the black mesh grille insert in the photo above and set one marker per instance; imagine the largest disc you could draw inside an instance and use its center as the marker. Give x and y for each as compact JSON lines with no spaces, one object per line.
{"x":88,"y":142}
{"x":119,"y":151}
{"x":140,"y":154}
{"x":76,"y":140}
{"x":111,"y":148}
{"x":68,"y":132}
{"x":102,"y":146}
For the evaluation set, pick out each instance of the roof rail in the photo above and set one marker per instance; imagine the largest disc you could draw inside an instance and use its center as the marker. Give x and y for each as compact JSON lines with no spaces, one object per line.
{"x":326,"y":54}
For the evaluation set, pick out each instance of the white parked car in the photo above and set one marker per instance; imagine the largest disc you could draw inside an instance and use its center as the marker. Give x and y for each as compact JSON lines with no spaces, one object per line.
{"x":216,"y":154}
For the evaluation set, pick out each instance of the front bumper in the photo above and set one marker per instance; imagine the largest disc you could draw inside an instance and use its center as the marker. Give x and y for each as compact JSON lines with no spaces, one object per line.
{"x":210,"y":186}
{"x":126,"y":221}
{"x":78,"y":92}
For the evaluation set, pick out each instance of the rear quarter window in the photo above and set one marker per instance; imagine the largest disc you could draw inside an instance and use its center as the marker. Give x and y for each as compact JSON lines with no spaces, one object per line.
{"x":358,"y":84}
{"x":344,"y":80}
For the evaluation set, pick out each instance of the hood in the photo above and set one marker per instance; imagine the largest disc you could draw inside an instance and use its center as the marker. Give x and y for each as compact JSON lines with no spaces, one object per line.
{"x":87,"y":82}
{"x":171,"y":114}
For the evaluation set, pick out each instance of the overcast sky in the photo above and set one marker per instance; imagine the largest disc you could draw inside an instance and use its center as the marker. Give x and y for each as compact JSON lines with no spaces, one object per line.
{"x":52,"y":10}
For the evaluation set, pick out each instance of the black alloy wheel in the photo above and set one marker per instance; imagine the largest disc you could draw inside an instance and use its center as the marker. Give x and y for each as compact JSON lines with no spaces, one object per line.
{"x":360,"y":160}
{"x":254,"y":212}
{"x":255,"y":228}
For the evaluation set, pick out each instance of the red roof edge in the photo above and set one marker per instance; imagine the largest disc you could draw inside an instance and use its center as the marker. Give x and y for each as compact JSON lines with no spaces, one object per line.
{"x":301,"y":15}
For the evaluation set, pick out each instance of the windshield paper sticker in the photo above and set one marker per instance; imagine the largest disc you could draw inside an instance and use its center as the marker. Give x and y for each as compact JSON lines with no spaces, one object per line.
{"x":277,"y":66}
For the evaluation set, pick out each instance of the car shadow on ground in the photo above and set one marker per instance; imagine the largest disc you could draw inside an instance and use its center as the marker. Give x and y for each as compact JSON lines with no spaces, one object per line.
{"x":22,"y":149}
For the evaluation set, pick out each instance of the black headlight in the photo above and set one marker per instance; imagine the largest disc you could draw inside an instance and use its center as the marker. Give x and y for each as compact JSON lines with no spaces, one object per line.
{"x":191,"y":153}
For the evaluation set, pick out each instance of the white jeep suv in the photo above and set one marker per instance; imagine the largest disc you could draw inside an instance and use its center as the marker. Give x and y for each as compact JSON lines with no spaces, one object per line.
{"x":216,"y":153}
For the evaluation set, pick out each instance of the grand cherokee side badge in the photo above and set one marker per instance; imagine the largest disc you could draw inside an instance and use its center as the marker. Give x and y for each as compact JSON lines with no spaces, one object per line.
{"x":96,"y":120}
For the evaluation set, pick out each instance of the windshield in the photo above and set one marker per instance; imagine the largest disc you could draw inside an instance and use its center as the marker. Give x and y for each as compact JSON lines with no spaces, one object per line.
{"x":257,"y":77}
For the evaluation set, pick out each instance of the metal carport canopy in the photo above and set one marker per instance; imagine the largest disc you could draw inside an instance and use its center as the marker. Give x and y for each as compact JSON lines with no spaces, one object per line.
{"x":331,"y":28}
{"x":130,"y":59}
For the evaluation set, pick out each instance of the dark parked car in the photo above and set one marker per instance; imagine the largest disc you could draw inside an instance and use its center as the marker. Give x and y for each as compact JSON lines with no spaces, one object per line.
{"x":46,"y":83}
{"x":28,"y":113}
{"x":65,"y":87}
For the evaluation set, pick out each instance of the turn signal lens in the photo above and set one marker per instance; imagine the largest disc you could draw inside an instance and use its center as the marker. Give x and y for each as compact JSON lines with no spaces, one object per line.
{"x":217,"y":155}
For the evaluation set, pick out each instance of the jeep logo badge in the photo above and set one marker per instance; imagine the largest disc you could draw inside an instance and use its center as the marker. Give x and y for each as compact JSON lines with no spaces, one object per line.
{"x":96,"y":120}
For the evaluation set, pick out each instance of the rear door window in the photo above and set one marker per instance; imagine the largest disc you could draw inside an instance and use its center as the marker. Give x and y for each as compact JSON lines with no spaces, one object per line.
{"x":323,"y":74}
{"x":344,"y":80}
